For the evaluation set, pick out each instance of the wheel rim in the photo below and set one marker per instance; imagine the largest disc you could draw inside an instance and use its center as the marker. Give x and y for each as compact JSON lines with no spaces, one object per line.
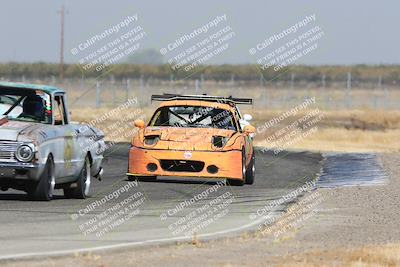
{"x":87,"y":178}
{"x":52,"y":181}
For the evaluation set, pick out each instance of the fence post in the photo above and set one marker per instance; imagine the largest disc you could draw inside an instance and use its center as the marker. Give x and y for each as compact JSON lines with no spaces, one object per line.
{"x":292,"y":81}
{"x":380,"y":82}
{"x":348,"y":90}
{"x":128,"y":86}
{"x":141,"y":88}
{"x":53,"y":80}
{"x":113,"y":96}
{"x":112,"y":81}
{"x":82,"y":82}
{"x":291,"y":93}
{"x":321,"y":91}
{"x":97,"y":94}
{"x":264,"y":97}
{"x":171,"y":81}
{"x":386,"y":100}
{"x":197,"y":86}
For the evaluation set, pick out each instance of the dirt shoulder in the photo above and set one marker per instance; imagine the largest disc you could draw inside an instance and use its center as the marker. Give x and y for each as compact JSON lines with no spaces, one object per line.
{"x":347,"y":219}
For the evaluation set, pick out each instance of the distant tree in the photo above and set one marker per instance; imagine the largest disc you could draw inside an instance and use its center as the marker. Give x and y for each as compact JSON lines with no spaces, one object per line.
{"x":149,"y":64}
{"x":147,"y":56}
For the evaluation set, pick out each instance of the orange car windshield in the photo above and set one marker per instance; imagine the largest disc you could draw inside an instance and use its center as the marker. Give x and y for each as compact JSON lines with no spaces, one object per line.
{"x":194,"y":116}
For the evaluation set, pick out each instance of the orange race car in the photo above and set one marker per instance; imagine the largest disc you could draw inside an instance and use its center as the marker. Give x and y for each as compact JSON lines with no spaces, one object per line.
{"x":196,"y":136}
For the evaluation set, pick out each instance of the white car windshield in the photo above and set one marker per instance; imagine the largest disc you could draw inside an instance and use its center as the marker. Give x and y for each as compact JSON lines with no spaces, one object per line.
{"x":30,"y":106}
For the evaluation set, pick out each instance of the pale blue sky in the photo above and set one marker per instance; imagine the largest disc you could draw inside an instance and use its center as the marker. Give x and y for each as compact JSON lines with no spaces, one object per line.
{"x":356,"y":32}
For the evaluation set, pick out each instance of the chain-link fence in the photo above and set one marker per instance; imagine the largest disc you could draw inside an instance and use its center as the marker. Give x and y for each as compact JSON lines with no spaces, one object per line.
{"x":267,"y":95}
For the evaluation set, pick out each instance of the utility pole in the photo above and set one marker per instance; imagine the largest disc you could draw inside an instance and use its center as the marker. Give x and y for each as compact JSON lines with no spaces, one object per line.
{"x":62,"y":13}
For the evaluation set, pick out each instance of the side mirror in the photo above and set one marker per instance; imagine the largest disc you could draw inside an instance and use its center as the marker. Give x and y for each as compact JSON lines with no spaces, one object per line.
{"x":247,"y":117}
{"x":139,"y":124}
{"x":248,"y":129}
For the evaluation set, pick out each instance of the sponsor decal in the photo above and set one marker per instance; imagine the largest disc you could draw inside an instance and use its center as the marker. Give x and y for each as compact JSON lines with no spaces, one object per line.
{"x":187,"y":154}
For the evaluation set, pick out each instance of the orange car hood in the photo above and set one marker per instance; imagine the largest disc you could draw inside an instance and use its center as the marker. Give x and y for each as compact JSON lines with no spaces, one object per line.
{"x":186,"y":138}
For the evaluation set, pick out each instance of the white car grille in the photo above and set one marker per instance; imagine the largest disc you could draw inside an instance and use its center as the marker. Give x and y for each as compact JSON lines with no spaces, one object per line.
{"x":7,"y":150}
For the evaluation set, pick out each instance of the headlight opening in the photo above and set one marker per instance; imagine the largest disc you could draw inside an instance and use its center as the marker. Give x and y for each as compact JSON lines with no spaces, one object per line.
{"x":219,"y":141}
{"x":151,"y":140}
{"x":25,"y":153}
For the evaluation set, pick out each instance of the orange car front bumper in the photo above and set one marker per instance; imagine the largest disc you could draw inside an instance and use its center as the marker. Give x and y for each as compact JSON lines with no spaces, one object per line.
{"x":212,"y":164}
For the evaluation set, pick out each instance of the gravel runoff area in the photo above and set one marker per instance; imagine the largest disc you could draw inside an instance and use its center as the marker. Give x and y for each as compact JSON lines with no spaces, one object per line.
{"x":347,"y":217}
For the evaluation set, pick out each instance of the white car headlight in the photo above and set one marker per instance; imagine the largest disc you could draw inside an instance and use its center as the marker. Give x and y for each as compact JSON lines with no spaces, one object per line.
{"x":25,"y":153}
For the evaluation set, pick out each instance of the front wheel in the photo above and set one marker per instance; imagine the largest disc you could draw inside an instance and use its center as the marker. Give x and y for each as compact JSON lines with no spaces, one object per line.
{"x":82,"y":188}
{"x":250,"y":173}
{"x":44,"y":189}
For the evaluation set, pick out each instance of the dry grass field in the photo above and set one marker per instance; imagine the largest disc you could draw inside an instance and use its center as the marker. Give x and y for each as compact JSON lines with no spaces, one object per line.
{"x":343,"y":130}
{"x":369,"y":256}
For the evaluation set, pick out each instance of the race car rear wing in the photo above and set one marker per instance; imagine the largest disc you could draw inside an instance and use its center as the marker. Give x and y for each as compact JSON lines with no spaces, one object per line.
{"x":220,"y":99}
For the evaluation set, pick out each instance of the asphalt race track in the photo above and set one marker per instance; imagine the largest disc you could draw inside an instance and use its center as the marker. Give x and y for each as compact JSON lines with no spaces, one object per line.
{"x":146,"y":212}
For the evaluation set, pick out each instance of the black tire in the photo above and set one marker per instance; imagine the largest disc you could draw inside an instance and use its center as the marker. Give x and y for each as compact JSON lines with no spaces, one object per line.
{"x":251,"y":170}
{"x":237,"y":182}
{"x":81,"y":189}
{"x":142,"y":178}
{"x":44,"y":189}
